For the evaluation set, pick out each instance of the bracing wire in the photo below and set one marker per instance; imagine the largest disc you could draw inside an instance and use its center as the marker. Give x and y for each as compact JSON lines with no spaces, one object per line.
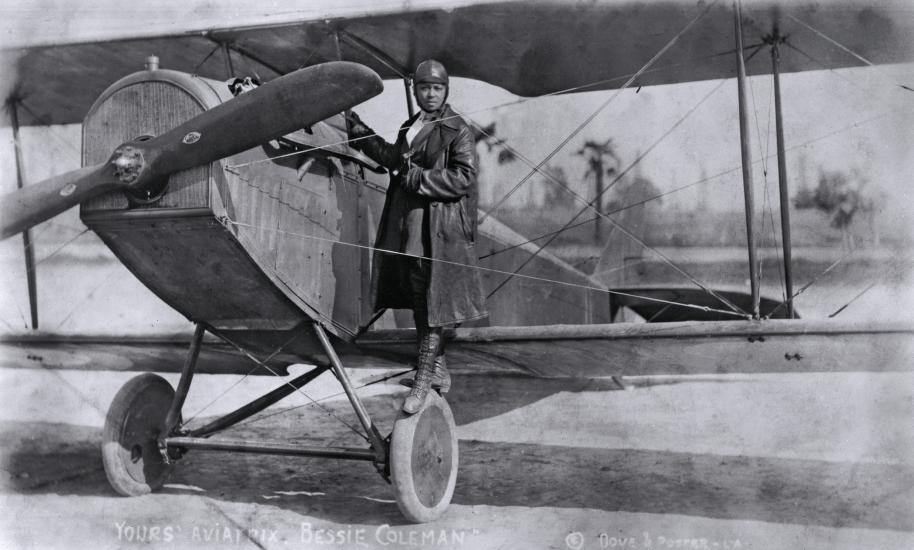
{"x":299,"y":390}
{"x":43,"y":121}
{"x":240,"y":380}
{"x":852,"y":300}
{"x":605,"y":104}
{"x":88,"y":295}
{"x":854,"y":84}
{"x":812,"y":281}
{"x":61,"y":247}
{"x":845,"y":49}
{"x":322,"y":399}
{"x":859,"y":88}
{"x":511,"y":103}
{"x":538,"y":168}
{"x":794,"y":147}
{"x":895,"y":269}
{"x":767,"y":203}
{"x":832,"y":41}
{"x":589,"y":205}
{"x":758,"y":132}
{"x":486,"y":269}
{"x":205,"y":58}
{"x":706,"y":179}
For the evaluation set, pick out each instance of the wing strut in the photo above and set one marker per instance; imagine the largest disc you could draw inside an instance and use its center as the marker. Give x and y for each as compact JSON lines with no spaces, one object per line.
{"x":385,"y":59}
{"x":776,"y":38}
{"x":29,"y":250}
{"x":746,"y":155}
{"x":227,"y":58}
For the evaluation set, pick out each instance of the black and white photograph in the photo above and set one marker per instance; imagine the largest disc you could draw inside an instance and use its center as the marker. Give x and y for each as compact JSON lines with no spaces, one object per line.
{"x":458,"y":274}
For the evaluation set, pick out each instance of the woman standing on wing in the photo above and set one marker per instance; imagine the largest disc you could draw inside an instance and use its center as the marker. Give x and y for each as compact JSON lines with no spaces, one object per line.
{"x":429,"y":222}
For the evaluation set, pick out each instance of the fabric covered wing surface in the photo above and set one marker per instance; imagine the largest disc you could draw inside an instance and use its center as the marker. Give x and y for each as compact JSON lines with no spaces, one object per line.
{"x":527,"y":48}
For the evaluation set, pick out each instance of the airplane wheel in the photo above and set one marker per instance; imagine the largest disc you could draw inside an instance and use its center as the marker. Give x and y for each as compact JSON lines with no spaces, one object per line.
{"x":130,"y":452}
{"x":423,"y":460}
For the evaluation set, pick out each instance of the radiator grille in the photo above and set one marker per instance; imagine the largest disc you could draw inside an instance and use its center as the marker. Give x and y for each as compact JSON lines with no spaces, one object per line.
{"x":145,"y":108}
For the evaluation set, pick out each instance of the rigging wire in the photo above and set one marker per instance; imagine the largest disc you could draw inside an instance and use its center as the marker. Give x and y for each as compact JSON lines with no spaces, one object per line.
{"x":832,"y":41}
{"x":25,"y":323}
{"x":88,"y":295}
{"x":202,"y":61}
{"x":299,"y":390}
{"x":804,"y":144}
{"x":513,"y":102}
{"x":852,"y":300}
{"x":854,"y":84}
{"x":709,"y":178}
{"x":774,"y":233}
{"x":242,"y":379}
{"x":767,"y":203}
{"x":628,"y":82}
{"x":617,"y":268}
{"x":538,"y":169}
{"x":48,"y":224}
{"x":616,"y":211}
{"x":758,"y":132}
{"x":894,"y":270}
{"x":599,"y":109}
{"x":61,"y":247}
{"x":811,"y":282}
{"x":842,"y":258}
{"x":589,"y":205}
{"x":322,"y":399}
{"x":822,"y":35}
{"x":43,"y":122}
{"x":487,"y":269}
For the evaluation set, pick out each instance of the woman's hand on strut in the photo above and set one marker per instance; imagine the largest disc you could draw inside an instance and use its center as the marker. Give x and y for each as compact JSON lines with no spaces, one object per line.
{"x":355,"y":127}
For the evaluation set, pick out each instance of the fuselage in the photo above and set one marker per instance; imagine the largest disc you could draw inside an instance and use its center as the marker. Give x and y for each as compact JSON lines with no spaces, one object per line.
{"x":259,"y":242}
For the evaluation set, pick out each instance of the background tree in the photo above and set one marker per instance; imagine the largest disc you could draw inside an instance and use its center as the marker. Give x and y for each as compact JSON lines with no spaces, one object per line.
{"x":486,"y":135}
{"x":595,"y":154}
{"x":841,"y":196}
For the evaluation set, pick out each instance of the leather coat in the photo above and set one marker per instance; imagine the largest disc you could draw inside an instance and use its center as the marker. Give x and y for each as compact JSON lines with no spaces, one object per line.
{"x":440,"y":167}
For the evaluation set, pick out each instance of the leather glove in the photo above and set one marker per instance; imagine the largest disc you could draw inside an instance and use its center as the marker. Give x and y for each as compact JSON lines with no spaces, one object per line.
{"x":355,"y":127}
{"x":405,"y":167}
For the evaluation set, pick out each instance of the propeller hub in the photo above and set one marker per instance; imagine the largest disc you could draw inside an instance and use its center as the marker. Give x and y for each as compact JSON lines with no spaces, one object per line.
{"x":128,"y":163}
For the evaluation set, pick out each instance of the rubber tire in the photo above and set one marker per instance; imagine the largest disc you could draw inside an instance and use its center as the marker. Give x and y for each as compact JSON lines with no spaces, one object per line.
{"x":133,"y":424}
{"x":424,"y":460}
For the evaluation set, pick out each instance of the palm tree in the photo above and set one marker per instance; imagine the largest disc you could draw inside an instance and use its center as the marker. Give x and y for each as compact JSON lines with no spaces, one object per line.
{"x":595,"y":152}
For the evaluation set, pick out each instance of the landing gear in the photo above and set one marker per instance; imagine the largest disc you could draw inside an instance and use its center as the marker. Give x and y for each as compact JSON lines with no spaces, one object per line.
{"x":144,"y":435}
{"x":423,"y":460}
{"x":130,"y":448}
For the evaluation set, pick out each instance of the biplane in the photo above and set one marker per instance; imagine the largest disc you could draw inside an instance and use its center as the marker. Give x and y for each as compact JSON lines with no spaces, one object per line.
{"x":254,"y":216}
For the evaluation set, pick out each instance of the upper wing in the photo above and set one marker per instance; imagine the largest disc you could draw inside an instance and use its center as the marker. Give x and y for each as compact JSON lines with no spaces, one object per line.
{"x":528,"y":48}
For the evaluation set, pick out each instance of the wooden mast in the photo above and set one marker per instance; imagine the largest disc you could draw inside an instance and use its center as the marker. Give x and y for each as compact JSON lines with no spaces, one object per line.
{"x":782,"y":173}
{"x":746,"y":154}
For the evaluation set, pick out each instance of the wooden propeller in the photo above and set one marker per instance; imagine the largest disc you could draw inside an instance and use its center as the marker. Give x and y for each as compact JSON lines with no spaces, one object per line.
{"x":278,"y":107}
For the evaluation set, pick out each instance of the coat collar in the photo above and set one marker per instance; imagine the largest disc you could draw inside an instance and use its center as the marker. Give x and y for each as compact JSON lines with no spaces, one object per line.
{"x":444,"y":116}
{"x":447,"y":117}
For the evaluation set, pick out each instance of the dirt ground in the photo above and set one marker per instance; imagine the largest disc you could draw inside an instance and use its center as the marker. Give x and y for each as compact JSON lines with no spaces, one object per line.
{"x":796,"y":461}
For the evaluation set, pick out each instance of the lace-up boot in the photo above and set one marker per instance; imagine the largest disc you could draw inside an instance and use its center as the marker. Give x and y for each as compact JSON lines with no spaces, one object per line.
{"x":428,"y":350}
